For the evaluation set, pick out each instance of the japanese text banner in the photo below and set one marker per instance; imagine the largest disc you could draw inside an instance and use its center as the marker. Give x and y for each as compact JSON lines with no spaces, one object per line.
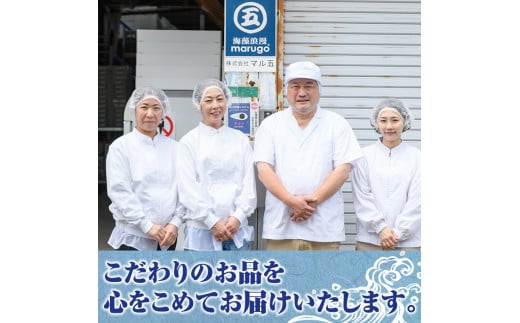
{"x":260,"y":286}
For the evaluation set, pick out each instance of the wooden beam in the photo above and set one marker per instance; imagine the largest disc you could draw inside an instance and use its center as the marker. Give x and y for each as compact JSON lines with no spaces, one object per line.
{"x":215,"y":11}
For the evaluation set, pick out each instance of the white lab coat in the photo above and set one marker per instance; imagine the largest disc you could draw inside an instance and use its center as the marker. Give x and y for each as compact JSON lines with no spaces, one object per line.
{"x":386,"y":187}
{"x":142,"y":187}
{"x":216,"y":180}
{"x":303,"y":159}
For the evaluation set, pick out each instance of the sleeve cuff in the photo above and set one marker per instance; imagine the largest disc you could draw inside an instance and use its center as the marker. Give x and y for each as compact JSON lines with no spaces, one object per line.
{"x":241,"y":216}
{"x":145,"y":226}
{"x":400,"y":234}
{"x":177,"y":221}
{"x":210,"y":220}
{"x":380,"y":226}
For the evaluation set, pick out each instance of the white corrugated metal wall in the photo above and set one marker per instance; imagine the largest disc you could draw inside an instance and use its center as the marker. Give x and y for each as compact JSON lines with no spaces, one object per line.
{"x":367,"y":51}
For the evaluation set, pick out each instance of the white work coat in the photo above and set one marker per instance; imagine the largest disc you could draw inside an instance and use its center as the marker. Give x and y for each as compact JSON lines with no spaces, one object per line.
{"x":216,"y":180}
{"x":302,"y":159}
{"x":386,"y":186}
{"x":142,"y":187}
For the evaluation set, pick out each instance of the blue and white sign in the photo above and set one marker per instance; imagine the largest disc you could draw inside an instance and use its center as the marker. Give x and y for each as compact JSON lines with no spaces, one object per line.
{"x":250,"y":36}
{"x":238,"y":117}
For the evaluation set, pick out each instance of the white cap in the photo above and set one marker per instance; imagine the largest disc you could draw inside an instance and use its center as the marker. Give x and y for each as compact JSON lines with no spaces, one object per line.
{"x":203,"y":86}
{"x":302,"y":70}
{"x":145,"y":92}
{"x":397,"y":106}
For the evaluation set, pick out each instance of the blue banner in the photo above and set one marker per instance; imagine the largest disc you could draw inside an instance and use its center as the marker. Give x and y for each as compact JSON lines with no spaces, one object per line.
{"x":250,"y":35}
{"x":250,"y":28}
{"x":259,"y":286}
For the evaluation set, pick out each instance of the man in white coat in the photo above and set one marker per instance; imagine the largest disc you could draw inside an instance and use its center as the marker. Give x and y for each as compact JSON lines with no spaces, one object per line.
{"x":303,"y":155}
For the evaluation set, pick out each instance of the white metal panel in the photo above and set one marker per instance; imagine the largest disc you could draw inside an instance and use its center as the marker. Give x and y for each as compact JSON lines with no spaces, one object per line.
{"x":369,"y":81}
{"x":172,"y":82}
{"x":362,"y":114}
{"x":365,"y":60}
{"x":356,"y":6}
{"x":329,"y":38}
{"x":365,"y":28}
{"x":174,"y":48}
{"x":151,"y":58}
{"x":339,"y":91}
{"x":341,"y":17}
{"x":177,"y":59}
{"x":196,"y":37}
{"x":367,"y":51}
{"x":369,"y":102}
{"x":175,"y":77}
{"x":349,"y":49}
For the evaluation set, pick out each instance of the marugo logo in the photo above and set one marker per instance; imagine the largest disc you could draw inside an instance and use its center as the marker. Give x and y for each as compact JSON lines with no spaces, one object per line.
{"x":250,"y":17}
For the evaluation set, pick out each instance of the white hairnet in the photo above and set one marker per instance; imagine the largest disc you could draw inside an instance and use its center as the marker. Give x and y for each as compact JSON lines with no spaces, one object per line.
{"x":394,"y":104}
{"x":146,"y":92}
{"x":203,"y":86}
{"x":303,"y":70}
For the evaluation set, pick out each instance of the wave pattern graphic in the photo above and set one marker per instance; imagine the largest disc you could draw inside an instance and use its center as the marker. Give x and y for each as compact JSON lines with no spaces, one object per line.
{"x":387,"y":276}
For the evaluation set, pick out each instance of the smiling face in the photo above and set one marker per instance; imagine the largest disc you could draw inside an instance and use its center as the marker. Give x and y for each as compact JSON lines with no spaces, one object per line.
{"x":391,"y":125}
{"x":303,"y":95}
{"x":148,"y":114}
{"x":213,"y":107}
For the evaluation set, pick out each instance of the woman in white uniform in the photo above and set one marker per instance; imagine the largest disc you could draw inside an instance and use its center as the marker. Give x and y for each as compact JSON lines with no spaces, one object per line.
{"x":216,"y":176}
{"x":141,"y":179}
{"x":386,"y":184}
